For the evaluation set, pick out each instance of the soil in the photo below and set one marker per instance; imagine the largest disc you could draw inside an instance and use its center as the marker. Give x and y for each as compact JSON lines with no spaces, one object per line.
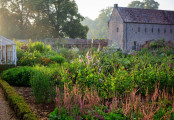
{"x":6,"y":113}
{"x":41,"y":110}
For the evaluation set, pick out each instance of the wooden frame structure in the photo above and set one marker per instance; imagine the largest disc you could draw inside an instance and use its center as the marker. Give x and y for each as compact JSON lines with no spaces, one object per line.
{"x":7,"y":51}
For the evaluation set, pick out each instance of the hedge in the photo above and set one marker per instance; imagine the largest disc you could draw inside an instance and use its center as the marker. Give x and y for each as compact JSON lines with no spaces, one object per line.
{"x":17,"y":102}
{"x":5,"y":67}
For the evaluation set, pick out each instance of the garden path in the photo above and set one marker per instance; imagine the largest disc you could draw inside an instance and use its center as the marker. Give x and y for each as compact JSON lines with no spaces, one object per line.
{"x":6,"y":113}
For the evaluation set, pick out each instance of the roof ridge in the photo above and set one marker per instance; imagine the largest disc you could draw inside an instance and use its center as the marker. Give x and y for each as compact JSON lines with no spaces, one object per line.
{"x":146,"y":16}
{"x":147,"y":9}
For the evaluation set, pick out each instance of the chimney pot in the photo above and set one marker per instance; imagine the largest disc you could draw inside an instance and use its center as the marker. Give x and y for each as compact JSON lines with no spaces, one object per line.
{"x":115,"y":5}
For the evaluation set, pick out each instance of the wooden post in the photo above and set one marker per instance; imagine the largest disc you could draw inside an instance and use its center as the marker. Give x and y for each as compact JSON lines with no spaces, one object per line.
{"x":5,"y":53}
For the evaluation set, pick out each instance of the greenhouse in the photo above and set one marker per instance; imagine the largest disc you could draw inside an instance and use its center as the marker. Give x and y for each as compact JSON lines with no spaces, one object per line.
{"x":7,"y":51}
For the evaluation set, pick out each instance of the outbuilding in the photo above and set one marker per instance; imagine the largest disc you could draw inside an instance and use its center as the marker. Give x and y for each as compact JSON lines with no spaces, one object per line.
{"x":7,"y":51}
{"x":131,"y":28}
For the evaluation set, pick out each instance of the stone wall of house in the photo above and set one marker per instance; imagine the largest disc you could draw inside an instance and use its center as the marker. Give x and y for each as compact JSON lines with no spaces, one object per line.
{"x":115,"y":29}
{"x":69,"y":43}
{"x":139,"y":34}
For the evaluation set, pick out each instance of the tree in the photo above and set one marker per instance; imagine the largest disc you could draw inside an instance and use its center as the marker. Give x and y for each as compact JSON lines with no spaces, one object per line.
{"x":62,"y":17}
{"x":145,"y":4}
{"x":136,"y":4}
{"x":98,"y":28}
{"x":150,"y":4}
{"x":16,"y":18}
{"x":41,"y":18}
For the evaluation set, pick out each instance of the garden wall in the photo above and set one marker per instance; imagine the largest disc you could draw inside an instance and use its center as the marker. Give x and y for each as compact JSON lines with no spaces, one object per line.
{"x":69,"y":43}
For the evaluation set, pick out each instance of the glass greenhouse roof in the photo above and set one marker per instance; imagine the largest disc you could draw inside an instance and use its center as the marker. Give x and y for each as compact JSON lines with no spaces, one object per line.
{"x":5,"y":41}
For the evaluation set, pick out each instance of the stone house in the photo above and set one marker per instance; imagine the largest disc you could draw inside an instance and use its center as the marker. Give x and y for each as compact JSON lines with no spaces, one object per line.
{"x":130,"y":28}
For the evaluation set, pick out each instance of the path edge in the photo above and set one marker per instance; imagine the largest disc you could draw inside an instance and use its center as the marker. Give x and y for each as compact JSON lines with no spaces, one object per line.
{"x":17,"y":102}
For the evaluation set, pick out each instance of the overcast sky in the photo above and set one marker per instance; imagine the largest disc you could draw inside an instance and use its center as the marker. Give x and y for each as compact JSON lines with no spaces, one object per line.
{"x":91,"y":8}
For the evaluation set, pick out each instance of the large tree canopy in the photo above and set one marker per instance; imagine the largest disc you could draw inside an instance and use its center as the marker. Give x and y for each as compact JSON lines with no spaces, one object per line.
{"x":145,"y":4}
{"x":44,"y":18}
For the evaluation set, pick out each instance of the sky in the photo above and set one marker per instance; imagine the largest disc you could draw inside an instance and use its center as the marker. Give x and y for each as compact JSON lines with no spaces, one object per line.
{"x":92,"y":8}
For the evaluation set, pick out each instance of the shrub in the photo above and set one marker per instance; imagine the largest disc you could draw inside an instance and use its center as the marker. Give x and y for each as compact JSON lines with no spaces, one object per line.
{"x":17,"y":102}
{"x":18,"y":76}
{"x":57,"y":59}
{"x":39,"y":46}
{"x":42,"y":87}
{"x":5,"y":67}
{"x":69,"y":54}
{"x":157,"y":44}
{"x":30,"y":59}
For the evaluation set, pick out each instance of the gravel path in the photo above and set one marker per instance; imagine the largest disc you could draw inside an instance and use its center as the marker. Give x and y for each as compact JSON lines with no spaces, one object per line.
{"x":6,"y":113}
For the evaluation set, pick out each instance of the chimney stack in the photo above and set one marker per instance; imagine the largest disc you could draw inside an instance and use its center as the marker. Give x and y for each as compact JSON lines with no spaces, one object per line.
{"x":115,"y":5}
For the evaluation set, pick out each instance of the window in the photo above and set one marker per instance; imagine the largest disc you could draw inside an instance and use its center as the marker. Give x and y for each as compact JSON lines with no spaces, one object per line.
{"x":152,"y":30}
{"x":145,"y":29}
{"x":164,"y":30}
{"x":138,"y":29}
{"x":135,"y":43}
{"x":158,"y":30}
{"x":117,"y":29}
{"x":171,"y":31}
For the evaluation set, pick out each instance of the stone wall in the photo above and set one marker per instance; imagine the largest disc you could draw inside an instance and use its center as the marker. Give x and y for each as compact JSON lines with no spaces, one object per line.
{"x":147,"y":32}
{"x":116,"y":29}
{"x":69,"y":43}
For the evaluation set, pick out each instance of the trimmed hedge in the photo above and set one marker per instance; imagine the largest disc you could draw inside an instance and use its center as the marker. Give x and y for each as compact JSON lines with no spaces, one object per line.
{"x":17,"y":102}
{"x":19,"y":76}
{"x":5,"y":67}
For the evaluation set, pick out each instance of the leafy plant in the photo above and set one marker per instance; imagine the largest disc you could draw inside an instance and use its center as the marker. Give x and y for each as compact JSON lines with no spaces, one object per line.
{"x":57,"y":59}
{"x":42,"y":87}
{"x":19,"y":76}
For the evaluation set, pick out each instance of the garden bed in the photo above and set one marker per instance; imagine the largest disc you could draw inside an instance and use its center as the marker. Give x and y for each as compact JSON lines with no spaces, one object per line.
{"x":17,"y":102}
{"x":41,"y":110}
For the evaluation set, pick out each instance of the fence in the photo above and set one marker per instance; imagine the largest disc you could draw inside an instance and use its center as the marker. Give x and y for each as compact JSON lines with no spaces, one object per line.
{"x":69,"y":43}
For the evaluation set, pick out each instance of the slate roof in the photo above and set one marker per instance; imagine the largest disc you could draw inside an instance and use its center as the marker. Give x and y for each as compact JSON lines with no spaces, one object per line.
{"x":146,"y":16}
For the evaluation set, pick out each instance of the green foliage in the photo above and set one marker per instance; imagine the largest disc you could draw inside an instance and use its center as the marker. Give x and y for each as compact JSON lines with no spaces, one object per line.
{"x":42,"y":86}
{"x":39,"y":46}
{"x":17,"y":102}
{"x":37,"y":53}
{"x":115,"y":72}
{"x":69,"y":54}
{"x":157,"y":44}
{"x":145,"y":4}
{"x":30,"y":59}
{"x":136,"y":4}
{"x":57,"y":59}
{"x":62,"y":20}
{"x":18,"y":76}
{"x":13,"y":24}
{"x":98,"y":28}
{"x":61,"y":114}
{"x":5,"y":67}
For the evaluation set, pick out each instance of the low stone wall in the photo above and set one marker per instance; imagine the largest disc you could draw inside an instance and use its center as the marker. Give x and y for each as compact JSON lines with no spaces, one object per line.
{"x":69,"y":43}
